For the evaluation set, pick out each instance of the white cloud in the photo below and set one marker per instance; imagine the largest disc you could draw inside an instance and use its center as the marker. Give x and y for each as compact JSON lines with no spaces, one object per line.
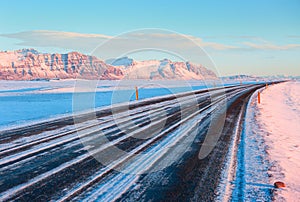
{"x":216,"y":46}
{"x":58,"y":39}
{"x":87,"y":42}
{"x":135,"y":40}
{"x":177,"y":38}
{"x":270,"y":46}
{"x":294,"y":36}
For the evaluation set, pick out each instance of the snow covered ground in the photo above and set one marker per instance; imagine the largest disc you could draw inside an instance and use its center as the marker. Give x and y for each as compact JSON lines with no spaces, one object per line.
{"x":278,"y":116}
{"x":269,"y":147}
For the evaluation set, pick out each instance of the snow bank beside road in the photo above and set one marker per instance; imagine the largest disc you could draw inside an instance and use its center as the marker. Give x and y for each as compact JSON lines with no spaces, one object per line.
{"x":278,"y":116}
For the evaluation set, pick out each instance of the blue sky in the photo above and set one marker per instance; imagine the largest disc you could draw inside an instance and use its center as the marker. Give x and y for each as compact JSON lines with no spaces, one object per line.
{"x":252,"y":37}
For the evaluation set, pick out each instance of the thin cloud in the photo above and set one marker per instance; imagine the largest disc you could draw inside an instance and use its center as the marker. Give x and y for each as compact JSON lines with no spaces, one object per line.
{"x":87,"y":42}
{"x":213,"y":45}
{"x":58,"y":39}
{"x":180,"y":39}
{"x":232,"y":37}
{"x":270,"y":46}
{"x":294,"y":36}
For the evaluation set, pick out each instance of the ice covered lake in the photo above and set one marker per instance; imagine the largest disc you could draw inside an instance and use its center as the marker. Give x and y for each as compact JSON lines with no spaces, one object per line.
{"x":26,"y":101}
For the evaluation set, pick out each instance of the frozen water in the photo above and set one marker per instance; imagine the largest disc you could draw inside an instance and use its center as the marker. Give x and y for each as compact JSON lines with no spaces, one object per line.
{"x":24,"y":101}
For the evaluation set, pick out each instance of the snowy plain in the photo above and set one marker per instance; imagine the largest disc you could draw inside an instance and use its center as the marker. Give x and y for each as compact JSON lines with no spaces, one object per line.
{"x":278,"y":116}
{"x":268,"y":148}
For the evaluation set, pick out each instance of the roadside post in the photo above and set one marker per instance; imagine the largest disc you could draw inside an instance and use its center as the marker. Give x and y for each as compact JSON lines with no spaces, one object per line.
{"x":136,"y":93}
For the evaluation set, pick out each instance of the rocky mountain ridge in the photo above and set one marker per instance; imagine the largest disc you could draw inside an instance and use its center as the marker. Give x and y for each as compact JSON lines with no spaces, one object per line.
{"x":29,"y":64}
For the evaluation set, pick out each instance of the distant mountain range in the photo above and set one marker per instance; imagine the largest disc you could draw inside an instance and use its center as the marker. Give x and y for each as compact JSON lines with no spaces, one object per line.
{"x":240,"y":77}
{"x":29,"y":64}
{"x":243,"y":77}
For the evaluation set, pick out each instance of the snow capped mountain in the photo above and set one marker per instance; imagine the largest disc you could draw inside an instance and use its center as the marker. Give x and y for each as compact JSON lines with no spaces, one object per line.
{"x":124,"y":61}
{"x":29,"y":64}
{"x":165,"y":69}
{"x":27,"y":51}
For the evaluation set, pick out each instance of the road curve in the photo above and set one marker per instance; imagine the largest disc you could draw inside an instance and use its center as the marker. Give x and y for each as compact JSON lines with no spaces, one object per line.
{"x":78,"y":158}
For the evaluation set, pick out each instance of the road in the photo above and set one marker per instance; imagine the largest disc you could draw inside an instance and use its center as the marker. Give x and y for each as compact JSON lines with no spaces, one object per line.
{"x":147,"y":150}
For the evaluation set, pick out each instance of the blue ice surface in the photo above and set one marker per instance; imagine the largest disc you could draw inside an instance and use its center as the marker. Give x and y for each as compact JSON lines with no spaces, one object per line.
{"x":21,"y":107}
{"x":20,"y":90}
